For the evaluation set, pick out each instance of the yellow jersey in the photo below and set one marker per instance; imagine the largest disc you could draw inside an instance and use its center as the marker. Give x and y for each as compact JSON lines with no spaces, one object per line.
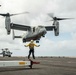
{"x":31,"y":45}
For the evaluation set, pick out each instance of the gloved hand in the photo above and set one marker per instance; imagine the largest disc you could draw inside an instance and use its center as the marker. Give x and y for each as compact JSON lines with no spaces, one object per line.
{"x":38,"y":45}
{"x":25,"y":45}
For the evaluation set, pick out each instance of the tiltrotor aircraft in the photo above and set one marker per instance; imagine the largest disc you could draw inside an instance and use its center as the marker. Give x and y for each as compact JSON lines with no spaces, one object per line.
{"x":33,"y":33}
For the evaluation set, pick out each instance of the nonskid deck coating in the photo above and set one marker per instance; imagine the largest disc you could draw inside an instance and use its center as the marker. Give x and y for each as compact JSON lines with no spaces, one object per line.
{"x":47,"y":66}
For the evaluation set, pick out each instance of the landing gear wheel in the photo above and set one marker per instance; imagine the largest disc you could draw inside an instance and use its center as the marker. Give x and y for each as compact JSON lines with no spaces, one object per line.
{"x":37,"y":41}
{"x":9,"y":56}
{"x":8,"y":32}
{"x":24,"y":40}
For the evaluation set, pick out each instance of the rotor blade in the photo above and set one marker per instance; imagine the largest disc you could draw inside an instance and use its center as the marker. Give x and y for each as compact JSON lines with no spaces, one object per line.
{"x":51,"y":15}
{"x":19,"y":13}
{"x":64,"y":18}
{"x":3,"y":14}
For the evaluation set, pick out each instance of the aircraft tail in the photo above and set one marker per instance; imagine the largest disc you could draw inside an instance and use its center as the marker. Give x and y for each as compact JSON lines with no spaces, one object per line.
{"x":14,"y":35}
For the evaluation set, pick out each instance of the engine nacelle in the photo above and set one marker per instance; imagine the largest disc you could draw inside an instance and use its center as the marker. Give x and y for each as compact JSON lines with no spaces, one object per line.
{"x":56,"y":29}
{"x":7,"y":24}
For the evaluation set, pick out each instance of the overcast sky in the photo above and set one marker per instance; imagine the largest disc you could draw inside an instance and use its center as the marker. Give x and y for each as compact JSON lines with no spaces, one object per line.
{"x":62,"y":45}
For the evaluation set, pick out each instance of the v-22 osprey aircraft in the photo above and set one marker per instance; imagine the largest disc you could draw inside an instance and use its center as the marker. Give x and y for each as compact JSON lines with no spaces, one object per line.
{"x":33,"y":33}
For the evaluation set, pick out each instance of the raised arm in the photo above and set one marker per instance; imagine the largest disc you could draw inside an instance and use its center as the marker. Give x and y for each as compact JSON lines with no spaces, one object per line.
{"x":26,"y":45}
{"x":36,"y":45}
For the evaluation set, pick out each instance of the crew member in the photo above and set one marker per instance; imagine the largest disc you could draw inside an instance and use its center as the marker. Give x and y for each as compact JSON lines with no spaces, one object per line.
{"x":31,"y":47}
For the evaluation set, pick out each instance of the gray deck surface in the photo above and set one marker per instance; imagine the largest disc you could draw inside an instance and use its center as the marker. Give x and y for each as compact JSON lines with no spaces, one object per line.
{"x":47,"y":66}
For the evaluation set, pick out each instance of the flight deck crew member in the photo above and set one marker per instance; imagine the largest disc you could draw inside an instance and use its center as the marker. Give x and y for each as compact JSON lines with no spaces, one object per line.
{"x":31,"y":47}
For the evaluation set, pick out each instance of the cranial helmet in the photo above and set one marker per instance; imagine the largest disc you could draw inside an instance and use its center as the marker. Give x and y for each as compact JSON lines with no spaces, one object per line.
{"x":32,"y":41}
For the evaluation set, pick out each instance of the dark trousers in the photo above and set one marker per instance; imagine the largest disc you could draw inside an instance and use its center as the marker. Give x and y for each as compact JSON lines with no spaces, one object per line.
{"x":31,"y":51}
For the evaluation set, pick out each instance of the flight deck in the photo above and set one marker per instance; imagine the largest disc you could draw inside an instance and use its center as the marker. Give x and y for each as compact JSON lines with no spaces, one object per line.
{"x":47,"y":66}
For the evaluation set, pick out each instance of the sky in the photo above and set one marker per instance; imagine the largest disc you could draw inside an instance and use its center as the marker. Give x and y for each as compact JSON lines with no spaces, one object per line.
{"x":51,"y":45}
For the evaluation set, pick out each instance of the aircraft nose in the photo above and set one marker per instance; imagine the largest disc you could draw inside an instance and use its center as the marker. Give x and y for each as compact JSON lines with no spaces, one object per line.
{"x":43,"y":31}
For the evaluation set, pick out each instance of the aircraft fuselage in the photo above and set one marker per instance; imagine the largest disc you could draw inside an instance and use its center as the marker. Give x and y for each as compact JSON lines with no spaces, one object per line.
{"x":35,"y":33}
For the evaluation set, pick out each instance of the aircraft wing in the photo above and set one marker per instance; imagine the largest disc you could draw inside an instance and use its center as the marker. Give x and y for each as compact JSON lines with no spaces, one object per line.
{"x":20,"y":27}
{"x":49,"y":28}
